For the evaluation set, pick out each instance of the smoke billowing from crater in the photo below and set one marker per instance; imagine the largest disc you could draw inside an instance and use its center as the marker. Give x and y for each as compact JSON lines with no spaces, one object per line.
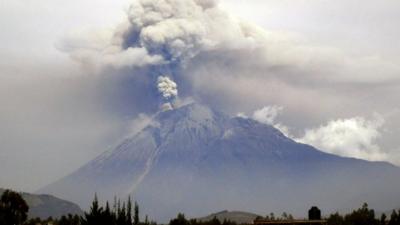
{"x":168,"y":90}
{"x":167,"y":87}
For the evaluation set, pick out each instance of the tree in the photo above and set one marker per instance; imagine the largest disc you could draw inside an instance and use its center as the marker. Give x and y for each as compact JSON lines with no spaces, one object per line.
{"x":63,"y":221}
{"x":136,"y":219}
{"x":129,"y":211}
{"x":214,"y":221}
{"x":33,"y":221}
{"x":121,"y":216}
{"x":13,"y":208}
{"x":228,"y":222}
{"x":335,"y":219}
{"x":179,"y":220}
{"x":272,"y":216}
{"x":314,"y":213}
{"x":383,"y":219}
{"x":108,"y":216}
{"x":362,"y":216}
{"x":394,"y":218}
{"x":94,"y":217}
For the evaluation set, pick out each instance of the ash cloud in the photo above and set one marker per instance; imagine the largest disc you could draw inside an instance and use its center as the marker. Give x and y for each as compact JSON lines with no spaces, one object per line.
{"x":198,"y":41}
{"x":167,"y":33}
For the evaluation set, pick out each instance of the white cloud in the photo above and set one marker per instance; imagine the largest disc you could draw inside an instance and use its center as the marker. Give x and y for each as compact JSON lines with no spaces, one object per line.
{"x":355,"y":137}
{"x":268,"y":115}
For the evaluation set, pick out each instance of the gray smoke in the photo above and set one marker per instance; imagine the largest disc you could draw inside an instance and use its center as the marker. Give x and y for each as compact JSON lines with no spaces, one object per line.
{"x":168,"y":90}
{"x":163,"y":32}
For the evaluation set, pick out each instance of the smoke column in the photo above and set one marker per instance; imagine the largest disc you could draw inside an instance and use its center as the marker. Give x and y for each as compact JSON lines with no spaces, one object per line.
{"x":168,"y":90}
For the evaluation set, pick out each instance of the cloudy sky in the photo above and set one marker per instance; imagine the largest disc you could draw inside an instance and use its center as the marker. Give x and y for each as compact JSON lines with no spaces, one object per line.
{"x":77,"y":76}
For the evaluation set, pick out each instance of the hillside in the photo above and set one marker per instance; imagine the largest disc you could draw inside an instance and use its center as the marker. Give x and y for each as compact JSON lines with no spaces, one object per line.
{"x":44,"y":206}
{"x":234,"y":216}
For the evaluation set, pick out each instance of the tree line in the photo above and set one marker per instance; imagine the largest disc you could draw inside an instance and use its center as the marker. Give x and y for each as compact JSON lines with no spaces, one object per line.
{"x":272,"y":217}
{"x":14,"y":211}
{"x":120,"y":213}
{"x":364,"y":216}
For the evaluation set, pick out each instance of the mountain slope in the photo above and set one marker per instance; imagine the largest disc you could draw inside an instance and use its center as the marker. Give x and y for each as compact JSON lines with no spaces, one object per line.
{"x":44,"y":206}
{"x":197,"y":160}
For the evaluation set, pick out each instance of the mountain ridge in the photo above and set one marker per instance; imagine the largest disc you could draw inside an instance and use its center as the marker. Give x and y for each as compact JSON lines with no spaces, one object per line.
{"x":239,"y":217}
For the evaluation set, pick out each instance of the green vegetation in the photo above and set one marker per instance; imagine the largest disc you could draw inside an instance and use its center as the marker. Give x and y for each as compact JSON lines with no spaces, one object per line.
{"x":363,"y":216}
{"x":13,"y":208}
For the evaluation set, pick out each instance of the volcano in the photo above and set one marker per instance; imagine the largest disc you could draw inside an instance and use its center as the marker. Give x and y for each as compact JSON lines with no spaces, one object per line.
{"x":197,"y":160}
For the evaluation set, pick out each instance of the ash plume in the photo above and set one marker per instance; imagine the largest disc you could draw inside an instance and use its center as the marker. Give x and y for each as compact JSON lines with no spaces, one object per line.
{"x":168,"y":90}
{"x":167,"y":87}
